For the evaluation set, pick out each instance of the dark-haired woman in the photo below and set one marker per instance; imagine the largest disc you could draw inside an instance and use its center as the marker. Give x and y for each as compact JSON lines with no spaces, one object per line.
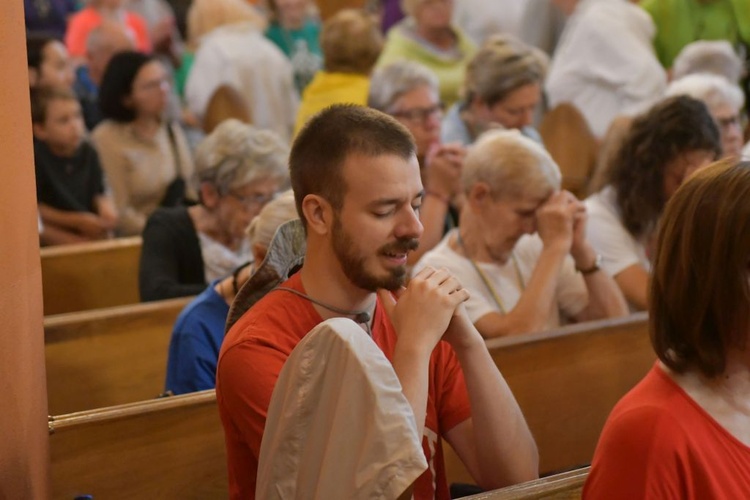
{"x":662,"y":148}
{"x":684,"y":431}
{"x":143,"y":155}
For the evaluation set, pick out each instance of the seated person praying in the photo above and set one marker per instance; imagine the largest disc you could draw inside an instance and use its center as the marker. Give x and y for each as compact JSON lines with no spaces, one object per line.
{"x":199,"y":329}
{"x":239,"y":168}
{"x":73,"y":203}
{"x":521,"y":248}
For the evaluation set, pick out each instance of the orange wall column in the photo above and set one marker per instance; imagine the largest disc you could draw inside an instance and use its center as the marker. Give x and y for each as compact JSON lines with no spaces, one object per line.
{"x":24,"y":455}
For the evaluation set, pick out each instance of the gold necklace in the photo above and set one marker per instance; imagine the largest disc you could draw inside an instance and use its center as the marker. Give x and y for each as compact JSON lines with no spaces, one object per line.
{"x":485,"y":279}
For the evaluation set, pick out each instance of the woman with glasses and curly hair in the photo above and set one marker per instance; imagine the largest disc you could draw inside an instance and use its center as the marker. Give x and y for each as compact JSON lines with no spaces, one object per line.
{"x":239,"y":168}
{"x":662,"y":148}
{"x":684,"y":430}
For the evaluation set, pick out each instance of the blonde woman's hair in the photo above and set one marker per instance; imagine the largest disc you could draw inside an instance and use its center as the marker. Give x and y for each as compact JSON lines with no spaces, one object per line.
{"x":351,"y":42}
{"x":502,"y":65}
{"x":205,"y":16}
{"x":276,"y":212}
{"x":511,"y":164}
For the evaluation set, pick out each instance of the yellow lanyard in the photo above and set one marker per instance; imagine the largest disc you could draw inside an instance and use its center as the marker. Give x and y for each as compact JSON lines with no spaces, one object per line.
{"x":486,"y":281}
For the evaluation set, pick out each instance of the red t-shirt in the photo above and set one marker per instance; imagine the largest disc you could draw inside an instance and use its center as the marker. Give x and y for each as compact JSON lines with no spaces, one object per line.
{"x":251,"y":358}
{"x":658,"y":443}
{"x":82,"y":23}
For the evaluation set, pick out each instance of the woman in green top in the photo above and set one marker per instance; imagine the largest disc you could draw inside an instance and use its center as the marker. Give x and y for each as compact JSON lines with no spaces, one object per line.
{"x":680,"y":22}
{"x":297,"y":34}
{"x":427,"y":36}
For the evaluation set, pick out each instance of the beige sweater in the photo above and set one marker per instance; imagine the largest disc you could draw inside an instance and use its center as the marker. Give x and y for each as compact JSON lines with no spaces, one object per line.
{"x":139,"y":170}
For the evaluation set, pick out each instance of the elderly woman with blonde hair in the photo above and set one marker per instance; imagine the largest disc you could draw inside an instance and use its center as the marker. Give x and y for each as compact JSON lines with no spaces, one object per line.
{"x":227,"y":36}
{"x":521,"y":248}
{"x":351,"y":42}
{"x":199,"y":329}
{"x":503,"y":88}
{"x":427,"y":36}
{"x":239,"y":168}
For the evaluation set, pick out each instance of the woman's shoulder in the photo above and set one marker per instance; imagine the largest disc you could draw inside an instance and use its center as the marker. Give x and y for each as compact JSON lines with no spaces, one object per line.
{"x":108,"y":129}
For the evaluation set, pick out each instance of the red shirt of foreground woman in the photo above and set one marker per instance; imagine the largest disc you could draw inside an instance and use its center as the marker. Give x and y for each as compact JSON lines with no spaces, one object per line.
{"x":684,"y":430}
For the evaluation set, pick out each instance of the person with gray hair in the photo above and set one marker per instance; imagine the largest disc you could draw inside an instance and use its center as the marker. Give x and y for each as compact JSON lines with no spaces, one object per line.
{"x":199,"y":329}
{"x":502,"y":88}
{"x":409,"y":92}
{"x":521,"y":249}
{"x":724,"y":101}
{"x":239,"y":169}
{"x":709,"y":56}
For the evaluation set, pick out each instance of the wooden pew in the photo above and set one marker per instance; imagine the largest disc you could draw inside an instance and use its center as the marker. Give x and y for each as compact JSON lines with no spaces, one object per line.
{"x":566,"y":382}
{"x":90,"y":275}
{"x":564,"y":486}
{"x":166,"y":448}
{"x":108,"y":356}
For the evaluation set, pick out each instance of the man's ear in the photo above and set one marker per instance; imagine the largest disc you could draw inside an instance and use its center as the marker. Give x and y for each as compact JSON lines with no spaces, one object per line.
{"x":318,"y":213}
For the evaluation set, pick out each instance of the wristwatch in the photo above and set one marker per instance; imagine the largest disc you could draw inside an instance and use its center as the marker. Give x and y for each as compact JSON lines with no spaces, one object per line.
{"x":593,"y":268}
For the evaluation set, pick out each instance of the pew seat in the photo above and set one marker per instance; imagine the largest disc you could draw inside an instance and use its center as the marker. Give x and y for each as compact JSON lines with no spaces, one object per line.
{"x":108,"y":356}
{"x":566,"y":382}
{"x":87,"y":276}
{"x":564,"y":486}
{"x":165,"y":448}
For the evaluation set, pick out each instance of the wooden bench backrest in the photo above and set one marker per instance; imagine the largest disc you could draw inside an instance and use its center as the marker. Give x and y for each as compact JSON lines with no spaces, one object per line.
{"x":567,"y":137}
{"x":566,"y":382}
{"x":109,"y":356}
{"x":90,"y":275}
{"x":225,"y":103}
{"x":166,"y":448}
{"x":564,"y":486}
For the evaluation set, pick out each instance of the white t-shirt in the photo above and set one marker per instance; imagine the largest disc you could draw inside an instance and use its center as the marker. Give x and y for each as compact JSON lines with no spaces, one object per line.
{"x":480,"y":19}
{"x":605,"y":64}
{"x":571,"y":292}
{"x":240,"y":56}
{"x":606,"y":233}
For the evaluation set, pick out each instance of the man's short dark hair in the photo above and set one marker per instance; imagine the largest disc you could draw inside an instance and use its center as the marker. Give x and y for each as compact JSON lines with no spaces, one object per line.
{"x":35,"y":45}
{"x":42,"y":96}
{"x":117,"y":84}
{"x":330,"y":137}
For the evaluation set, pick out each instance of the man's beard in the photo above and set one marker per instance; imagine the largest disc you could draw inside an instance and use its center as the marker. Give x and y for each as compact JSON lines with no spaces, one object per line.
{"x":353,"y":265}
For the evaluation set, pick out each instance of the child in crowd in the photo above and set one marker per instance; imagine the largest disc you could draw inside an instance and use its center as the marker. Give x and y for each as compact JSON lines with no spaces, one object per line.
{"x":73,"y":204}
{"x":48,"y":62}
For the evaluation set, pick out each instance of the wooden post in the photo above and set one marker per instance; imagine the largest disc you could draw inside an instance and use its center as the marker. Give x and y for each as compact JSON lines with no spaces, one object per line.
{"x":24,"y":450}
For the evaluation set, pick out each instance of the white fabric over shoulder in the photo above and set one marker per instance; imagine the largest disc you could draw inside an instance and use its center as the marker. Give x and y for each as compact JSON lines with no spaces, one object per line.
{"x":338,"y":424}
